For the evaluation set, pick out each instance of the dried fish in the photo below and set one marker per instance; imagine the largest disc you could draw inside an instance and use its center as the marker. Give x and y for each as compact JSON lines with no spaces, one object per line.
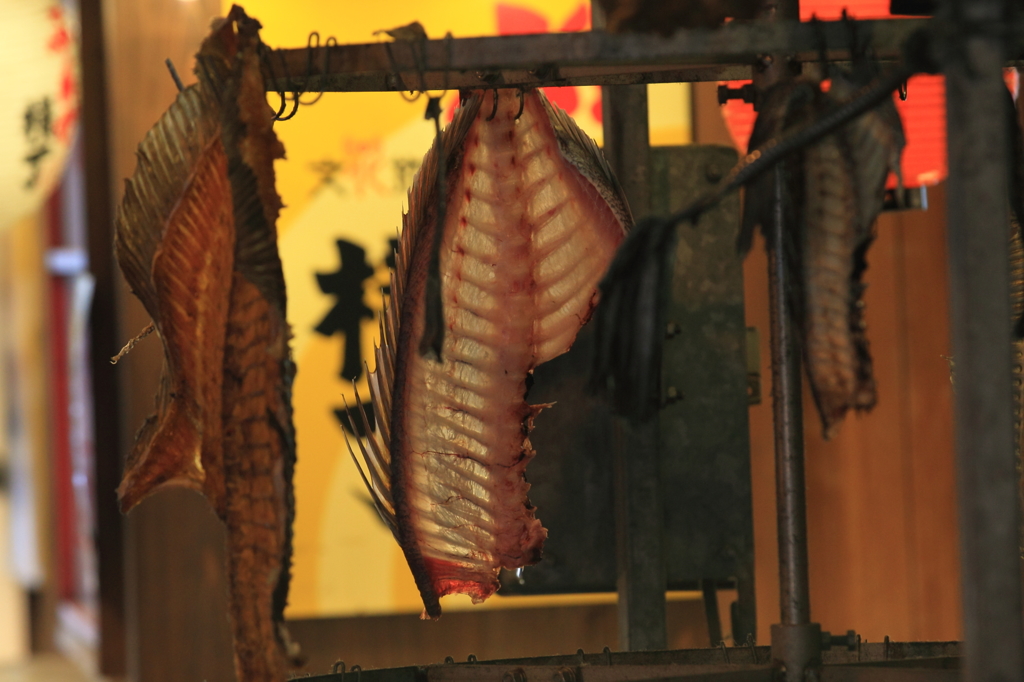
{"x":839,"y":379}
{"x":196,"y":240}
{"x":835,"y":189}
{"x":533,"y":218}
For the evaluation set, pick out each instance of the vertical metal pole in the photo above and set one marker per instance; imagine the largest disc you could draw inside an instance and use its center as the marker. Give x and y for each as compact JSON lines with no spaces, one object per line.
{"x":638,"y":512}
{"x":787,"y":410}
{"x":796,"y":641}
{"x":979,"y":294}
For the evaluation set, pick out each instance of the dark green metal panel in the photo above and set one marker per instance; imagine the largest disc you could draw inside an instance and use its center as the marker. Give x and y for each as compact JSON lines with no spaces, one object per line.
{"x":705,"y":465}
{"x":704,"y":426}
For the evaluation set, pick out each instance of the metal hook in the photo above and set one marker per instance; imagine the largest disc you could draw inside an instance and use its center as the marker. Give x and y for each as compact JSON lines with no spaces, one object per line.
{"x":724,"y":648}
{"x":325,"y":70}
{"x":288,"y":82}
{"x":338,"y":667}
{"x":419,"y":59}
{"x":522,"y":103}
{"x":494,"y":111}
{"x":903,"y":91}
{"x":471,"y":658}
{"x":265,"y":61}
{"x":607,"y":655}
{"x":358,"y":670}
{"x":402,"y":88}
{"x":311,"y":46}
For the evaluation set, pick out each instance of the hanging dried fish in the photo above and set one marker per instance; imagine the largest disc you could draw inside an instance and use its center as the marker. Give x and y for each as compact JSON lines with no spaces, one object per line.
{"x":835,"y":190}
{"x":533,"y":216}
{"x":196,"y":240}
{"x":839,"y":374}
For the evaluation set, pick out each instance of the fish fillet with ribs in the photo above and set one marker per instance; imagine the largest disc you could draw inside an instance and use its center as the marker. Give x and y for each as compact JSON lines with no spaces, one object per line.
{"x":196,"y":241}
{"x":533,"y":216}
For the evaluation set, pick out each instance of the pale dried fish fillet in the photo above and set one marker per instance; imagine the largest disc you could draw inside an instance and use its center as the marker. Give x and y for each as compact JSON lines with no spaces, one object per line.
{"x":533,"y":218}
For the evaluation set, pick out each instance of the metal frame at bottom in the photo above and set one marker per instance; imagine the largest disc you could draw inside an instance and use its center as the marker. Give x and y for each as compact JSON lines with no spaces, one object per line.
{"x":866,"y":662}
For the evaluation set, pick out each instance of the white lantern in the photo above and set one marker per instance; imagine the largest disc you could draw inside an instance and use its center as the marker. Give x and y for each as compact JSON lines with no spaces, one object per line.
{"x":39,"y":82}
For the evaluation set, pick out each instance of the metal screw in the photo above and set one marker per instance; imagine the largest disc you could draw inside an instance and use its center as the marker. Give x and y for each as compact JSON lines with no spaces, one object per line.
{"x":713,"y":173}
{"x":849,"y":640}
{"x":517,"y":675}
{"x":564,"y":675}
{"x":672,"y":329}
{"x":673,"y":395}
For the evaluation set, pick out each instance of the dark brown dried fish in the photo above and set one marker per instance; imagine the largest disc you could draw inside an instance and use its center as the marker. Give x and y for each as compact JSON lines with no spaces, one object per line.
{"x":835,"y":367}
{"x":532,"y":220}
{"x":196,"y":240}
{"x":835,"y":190}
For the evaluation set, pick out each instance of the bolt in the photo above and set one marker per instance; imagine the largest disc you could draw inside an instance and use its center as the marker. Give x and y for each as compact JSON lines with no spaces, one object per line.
{"x":516,"y":675}
{"x":673,"y":395}
{"x":713,"y":173}
{"x":564,"y":675}
{"x":672,"y":329}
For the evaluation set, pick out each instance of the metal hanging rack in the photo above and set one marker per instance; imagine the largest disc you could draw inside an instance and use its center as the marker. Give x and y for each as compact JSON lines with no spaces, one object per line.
{"x":975,"y":38}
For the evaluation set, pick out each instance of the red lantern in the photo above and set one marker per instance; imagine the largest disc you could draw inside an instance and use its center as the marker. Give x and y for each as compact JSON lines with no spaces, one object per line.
{"x":923,"y":113}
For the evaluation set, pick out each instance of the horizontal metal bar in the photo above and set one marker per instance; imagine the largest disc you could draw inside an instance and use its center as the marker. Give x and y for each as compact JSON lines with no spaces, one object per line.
{"x":512,"y":78}
{"x":872,"y":674}
{"x":585,"y":58}
{"x":890,"y":654}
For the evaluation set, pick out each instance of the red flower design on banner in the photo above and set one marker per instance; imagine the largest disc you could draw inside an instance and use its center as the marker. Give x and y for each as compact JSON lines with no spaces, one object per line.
{"x":519,"y":20}
{"x":515,"y":20}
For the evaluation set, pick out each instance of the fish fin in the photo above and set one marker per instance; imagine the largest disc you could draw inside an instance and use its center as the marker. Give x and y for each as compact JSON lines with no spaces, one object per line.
{"x":166,"y":161}
{"x":582,"y":151}
{"x":376,"y":475}
{"x":173,"y":239}
{"x":419,"y":224}
{"x":375,"y":450}
{"x":166,"y":453}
